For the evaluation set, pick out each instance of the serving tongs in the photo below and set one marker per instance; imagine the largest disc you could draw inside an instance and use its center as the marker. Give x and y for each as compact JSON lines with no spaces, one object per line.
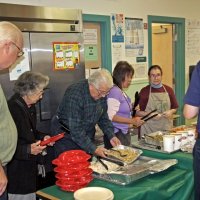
{"x":150,"y":115}
{"x":102,"y":163}
{"x":113,"y":160}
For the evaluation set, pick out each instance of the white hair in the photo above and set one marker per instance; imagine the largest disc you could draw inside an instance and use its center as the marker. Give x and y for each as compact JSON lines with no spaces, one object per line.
{"x":9,"y":31}
{"x":100,"y":77}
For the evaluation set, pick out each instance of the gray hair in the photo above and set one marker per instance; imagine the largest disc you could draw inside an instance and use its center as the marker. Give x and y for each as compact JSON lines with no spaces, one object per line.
{"x":100,"y":77}
{"x":30,"y":82}
{"x":9,"y":31}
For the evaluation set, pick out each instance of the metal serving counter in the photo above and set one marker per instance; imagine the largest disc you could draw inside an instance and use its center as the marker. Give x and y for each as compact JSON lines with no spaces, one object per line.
{"x":171,"y":184}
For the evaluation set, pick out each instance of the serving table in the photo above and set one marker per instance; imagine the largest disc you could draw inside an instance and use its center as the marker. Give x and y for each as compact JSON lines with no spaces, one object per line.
{"x":171,"y":184}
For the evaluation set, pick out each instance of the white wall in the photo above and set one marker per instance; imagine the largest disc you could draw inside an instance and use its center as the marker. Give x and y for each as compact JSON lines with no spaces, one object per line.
{"x":131,"y":8}
{"x":188,"y":9}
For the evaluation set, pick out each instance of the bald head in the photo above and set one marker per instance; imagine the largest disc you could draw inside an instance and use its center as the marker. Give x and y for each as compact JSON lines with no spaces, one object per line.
{"x":11,"y":43}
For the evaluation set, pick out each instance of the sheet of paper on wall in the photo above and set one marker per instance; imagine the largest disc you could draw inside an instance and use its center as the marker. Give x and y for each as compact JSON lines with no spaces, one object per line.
{"x":140,"y":70}
{"x":116,"y":53}
{"x":90,"y":36}
{"x":22,"y":65}
{"x":117,"y":27}
{"x":134,"y":37}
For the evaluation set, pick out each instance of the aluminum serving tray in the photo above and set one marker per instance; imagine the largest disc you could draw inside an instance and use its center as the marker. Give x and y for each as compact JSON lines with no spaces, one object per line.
{"x":137,"y":152}
{"x":142,"y":167}
{"x":152,"y":147}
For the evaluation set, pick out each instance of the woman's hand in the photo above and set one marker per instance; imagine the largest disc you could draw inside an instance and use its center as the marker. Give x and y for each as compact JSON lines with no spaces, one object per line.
{"x":36,"y":148}
{"x":137,"y":122}
{"x":47,"y":137}
{"x":168,"y":114}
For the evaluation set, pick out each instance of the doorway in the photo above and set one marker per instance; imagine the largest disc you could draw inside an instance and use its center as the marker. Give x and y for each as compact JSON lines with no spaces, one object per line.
{"x":178,"y":56}
{"x":162,"y":51}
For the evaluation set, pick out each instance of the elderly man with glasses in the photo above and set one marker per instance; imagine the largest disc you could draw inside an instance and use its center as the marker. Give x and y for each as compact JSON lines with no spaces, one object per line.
{"x":83,"y":106}
{"x":11,"y":44}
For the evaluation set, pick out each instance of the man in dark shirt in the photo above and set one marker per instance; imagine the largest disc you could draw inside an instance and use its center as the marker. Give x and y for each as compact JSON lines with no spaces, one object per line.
{"x":191,"y":110}
{"x":83,"y":106}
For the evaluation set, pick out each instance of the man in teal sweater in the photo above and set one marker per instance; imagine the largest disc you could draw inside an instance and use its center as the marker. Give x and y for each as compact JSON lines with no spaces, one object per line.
{"x":11,"y":44}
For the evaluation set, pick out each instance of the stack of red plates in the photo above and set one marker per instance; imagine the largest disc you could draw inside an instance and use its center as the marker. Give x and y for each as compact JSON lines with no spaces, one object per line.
{"x":72,"y":170}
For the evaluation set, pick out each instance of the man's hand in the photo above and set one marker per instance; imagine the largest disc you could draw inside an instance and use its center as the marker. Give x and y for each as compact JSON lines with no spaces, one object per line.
{"x":3,"y":180}
{"x":115,"y":141}
{"x":100,"y":151}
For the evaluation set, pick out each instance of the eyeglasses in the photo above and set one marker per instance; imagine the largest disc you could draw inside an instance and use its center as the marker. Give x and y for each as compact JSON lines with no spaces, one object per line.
{"x":155,"y":75}
{"x":20,"y":53}
{"x":102,"y":93}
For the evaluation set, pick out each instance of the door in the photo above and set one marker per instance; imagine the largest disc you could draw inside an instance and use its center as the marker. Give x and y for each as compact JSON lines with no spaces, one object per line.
{"x":162,"y":50}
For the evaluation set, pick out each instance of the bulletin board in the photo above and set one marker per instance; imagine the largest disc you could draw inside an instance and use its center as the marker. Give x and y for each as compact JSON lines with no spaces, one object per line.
{"x":192,"y":43}
{"x":92,"y":45}
{"x":65,"y":55}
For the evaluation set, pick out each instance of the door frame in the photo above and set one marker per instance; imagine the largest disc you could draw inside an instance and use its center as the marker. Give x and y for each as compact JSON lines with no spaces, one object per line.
{"x":104,"y":22}
{"x":179,"y":56}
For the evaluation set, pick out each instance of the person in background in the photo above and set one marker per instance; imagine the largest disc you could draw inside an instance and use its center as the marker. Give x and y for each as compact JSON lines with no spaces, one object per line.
{"x":11,"y":44}
{"x":120,"y":106}
{"x":22,"y":169}
{"x":83,"y":106}
{"x":160,"y":97}
{"x":191,"y":110}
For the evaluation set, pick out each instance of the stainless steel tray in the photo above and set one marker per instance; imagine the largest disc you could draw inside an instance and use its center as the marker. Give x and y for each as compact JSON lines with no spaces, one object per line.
{"x":142,"y":167}
{"x":143,"y":145}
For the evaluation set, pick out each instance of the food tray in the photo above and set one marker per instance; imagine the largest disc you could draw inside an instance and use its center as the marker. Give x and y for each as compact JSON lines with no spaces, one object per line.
{"x":154,"y":138}
{"x":142,"y":167}
{"x":126,"y":160}
{"x":143,"y":145}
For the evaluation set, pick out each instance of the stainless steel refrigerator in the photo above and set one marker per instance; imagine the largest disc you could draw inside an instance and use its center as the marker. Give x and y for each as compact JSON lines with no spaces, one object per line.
{"x":41,"y":27}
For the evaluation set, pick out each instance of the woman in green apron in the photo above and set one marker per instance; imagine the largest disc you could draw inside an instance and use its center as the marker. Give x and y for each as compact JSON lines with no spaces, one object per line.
{"x":159,"y":97}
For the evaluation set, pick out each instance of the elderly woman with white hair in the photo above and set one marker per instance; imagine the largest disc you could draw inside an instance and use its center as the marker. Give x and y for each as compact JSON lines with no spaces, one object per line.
{"x":22,"y":170}
{"x":83,"y":106}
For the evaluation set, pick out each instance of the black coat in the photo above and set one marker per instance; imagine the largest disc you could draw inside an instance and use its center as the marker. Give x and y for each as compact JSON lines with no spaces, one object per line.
{"x":22,"y":170}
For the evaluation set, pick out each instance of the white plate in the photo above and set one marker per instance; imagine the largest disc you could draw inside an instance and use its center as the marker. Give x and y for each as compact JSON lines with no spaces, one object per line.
{"x":91,"y":193}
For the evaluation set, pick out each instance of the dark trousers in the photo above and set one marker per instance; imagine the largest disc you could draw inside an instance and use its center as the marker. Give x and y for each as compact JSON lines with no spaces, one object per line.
{"x":125,"y":139}
{"x":4,"y":196}
{"x":196,"y":165}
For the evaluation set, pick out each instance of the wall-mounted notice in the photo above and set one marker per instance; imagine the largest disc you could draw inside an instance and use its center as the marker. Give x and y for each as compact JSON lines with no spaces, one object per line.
{"x":22,"y":65}
{"x":134,"y":37}
{"x":116,"y":53}
{"x":193,"y":37}
{"x":90,"y":36}
{"x":140,"y":70}
{"x":91,"y":53}
{"x":65,"y":55}
{"x":117,"y":24}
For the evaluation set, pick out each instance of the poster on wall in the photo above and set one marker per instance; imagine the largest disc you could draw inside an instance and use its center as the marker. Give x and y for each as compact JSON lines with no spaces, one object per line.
{"x":116,"y":53}
{"x":22,"y":65}
{"x":65,"y":55}
{"x":117,"y":27}
{"x":140,"y":70}
{"x":134,"y":37}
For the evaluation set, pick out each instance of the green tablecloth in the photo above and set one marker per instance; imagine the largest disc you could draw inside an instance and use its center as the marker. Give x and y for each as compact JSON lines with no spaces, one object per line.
{"x":174,"y":183}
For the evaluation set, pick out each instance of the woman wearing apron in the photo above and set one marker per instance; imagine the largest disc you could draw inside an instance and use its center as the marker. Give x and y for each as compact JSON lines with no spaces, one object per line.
{"x":160,"y":97}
